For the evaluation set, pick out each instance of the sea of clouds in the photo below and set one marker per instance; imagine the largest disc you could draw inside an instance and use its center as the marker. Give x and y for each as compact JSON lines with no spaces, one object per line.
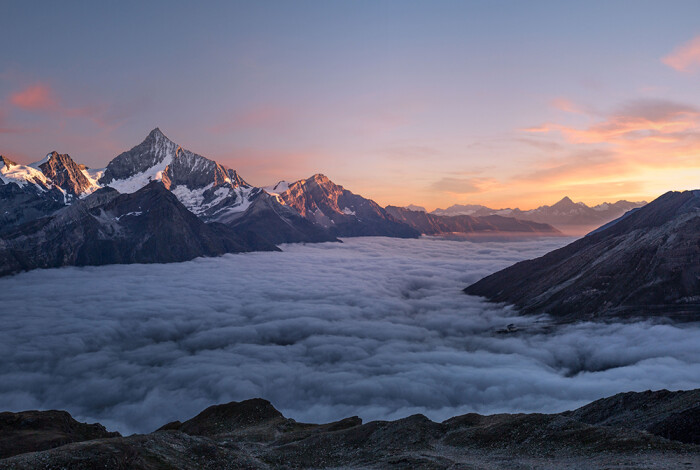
{"x":373,"y":327}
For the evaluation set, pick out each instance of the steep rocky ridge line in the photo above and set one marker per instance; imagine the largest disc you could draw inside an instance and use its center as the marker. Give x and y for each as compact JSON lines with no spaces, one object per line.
{"x":647,"y":263}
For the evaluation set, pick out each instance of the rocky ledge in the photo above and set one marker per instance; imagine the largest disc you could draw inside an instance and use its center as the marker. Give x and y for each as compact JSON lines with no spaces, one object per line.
{"x":657,"y":430}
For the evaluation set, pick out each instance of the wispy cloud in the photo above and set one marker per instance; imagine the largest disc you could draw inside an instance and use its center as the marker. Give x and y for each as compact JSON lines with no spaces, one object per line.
{"x":648,"y":124}
{"x":411,"y":152}
{"x":685,"y":58}
{"x":42,"y":98}
{"x":566,"y":105}
{"x":37,"y":97}
{"x":642,"y":143}
{"x":464,"y":185}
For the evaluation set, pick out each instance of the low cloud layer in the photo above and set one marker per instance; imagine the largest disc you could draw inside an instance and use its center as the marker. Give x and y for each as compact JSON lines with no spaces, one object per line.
{"x":372,"y":327}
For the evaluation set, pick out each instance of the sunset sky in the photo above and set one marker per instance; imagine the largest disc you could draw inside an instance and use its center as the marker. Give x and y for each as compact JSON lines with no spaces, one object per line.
{"x":431,"y":103}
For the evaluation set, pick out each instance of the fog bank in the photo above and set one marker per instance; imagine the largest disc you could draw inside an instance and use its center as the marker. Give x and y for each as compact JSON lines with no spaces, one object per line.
{"x":374,"y":327}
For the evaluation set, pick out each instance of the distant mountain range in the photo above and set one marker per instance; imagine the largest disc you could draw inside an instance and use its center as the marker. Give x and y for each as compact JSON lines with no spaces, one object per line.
{"x":645,"y":263}
{"x":341,"y":212}
{"x":565,"y":214}
{"x":431,"y":224}
{"x":158,"y":202}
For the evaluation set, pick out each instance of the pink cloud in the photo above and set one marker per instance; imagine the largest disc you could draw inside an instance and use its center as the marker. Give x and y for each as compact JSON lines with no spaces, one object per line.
{"x":38,"y":97}
{"x":685,"y":57}
{"x":464,"y":185}
{"x":568,"y":106}
{"x":624,"y":146}
{"x":41,"y":98}
{"x":542,"y":129}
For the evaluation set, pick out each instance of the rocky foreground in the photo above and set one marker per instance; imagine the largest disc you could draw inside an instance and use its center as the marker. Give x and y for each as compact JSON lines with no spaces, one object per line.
{"x":659,"y":430}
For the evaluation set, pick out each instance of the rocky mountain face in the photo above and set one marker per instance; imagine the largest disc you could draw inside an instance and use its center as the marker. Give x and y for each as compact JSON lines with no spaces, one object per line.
{"x":31,"y":431}
{"x":646,"y":263}
{"x":26,"y":193}
{"x":209,"y":190}
{"x":565,"y":214}
{"x":277,"y":223}
{"x":341,"y":212}
{"x":66,"y":174}
{"x":629,"y":428}
{"x":310,"y":210}
{"x":430,"y":224}
{"x":147,"y":226}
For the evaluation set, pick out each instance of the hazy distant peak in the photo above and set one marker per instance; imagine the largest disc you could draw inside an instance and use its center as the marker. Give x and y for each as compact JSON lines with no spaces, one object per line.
{"x":414,"y":208}
{"x":566,"y":200}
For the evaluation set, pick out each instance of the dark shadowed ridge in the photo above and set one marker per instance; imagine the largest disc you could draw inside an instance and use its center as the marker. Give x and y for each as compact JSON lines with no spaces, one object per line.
{"x":647,"y":263}
{"x":646,"y":430}
{"x":148,"y":226}
{"x":278,"y":223}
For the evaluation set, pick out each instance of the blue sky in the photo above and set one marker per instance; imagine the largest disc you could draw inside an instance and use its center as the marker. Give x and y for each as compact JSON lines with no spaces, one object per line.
{"x":429,"y":103}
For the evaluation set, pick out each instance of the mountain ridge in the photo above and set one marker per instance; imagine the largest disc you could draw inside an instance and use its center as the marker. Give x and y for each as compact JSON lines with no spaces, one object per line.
{"x":107,"y":227}
{"x":430,"y":224}
{"x":646,"y":430}
{"x":314,"y":209}
{"x":341,"y":211}
{"x":646,"y":263}
{"x":564,"y":214}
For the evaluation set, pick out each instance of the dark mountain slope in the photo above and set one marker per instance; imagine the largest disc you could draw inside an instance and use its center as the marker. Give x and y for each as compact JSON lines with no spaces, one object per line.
{"x":25,"y":198}
{"x":148,"y":226}
{"x":645,"y":264}
{"x":31,"y":431}
{"x":430,"y":224}
{"x":276,"y":223}
{"x":23,"y":204}
{"x":253,"y":434}
{"x":673,"y":415}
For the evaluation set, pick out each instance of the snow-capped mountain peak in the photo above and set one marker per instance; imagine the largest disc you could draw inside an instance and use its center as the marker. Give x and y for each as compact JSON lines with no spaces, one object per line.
{"x":204,"y":186}
{"x":131,"y":170}
{"x":277,"y":189}
{"x":22,"y":175}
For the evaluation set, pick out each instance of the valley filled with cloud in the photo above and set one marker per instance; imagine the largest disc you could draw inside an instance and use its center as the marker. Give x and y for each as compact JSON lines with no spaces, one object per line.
{"x":374,"y":327}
